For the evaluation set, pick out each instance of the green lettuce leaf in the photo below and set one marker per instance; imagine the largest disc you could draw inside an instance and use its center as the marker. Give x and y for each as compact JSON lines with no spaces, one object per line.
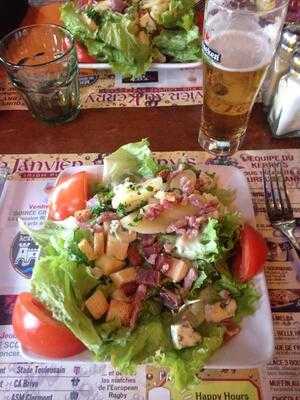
{"x":214,"y":243}
{"x":179,"y":13}
{"x":180,"y":45}
{"x":133,"y":159}
{"x":150,"y":342}
{"x":75,"y":23}
{"x":59,"y":238}
{"x":62,"y":286}
{"x":127,"y":54}
{"x":96,"y":48}
{"x":184,"y":364}
{"x":245,"y":295}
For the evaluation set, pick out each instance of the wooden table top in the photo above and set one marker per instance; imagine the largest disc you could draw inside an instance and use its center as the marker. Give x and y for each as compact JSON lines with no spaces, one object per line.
{"x":102,"y":130}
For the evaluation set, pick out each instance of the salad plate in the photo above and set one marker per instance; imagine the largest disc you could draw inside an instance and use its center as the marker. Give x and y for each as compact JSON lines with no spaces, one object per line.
{"x":158,"y":66}
{"x":130,"y":37}
{"x":254,"y":345}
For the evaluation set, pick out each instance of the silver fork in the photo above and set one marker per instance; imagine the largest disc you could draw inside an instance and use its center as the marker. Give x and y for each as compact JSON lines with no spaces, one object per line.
{"x":3,"y":176}
{"x":279,"y":209}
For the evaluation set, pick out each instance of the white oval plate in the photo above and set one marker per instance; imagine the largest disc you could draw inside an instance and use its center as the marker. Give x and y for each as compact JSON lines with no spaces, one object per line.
{"x":102,"y":66}
{"x":254,"y":345}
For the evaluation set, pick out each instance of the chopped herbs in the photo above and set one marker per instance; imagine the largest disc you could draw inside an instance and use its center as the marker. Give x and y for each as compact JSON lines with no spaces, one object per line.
{"x":104,"y":203}
{"x":137,"y":218}
{"x":121,"y":210}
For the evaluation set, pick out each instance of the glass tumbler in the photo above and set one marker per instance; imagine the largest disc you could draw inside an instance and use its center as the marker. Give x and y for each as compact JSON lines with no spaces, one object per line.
{"x":41,"y":62}
{"x":239,"y":40}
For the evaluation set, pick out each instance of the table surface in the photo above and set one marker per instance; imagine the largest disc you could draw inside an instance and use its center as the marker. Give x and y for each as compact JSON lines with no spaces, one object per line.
{"x":102,"y":130}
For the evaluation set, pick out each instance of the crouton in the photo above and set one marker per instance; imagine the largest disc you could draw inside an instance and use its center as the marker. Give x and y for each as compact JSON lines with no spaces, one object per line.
{"x":116,"y":247}
{"x":123,"y":276}
{"x":97,"y":304}
{"x":98,"y":244}
{"x":86,"y":248}
{"x":178,"y":270}
{"x":108,"y":264}
{"x":119,"y":310}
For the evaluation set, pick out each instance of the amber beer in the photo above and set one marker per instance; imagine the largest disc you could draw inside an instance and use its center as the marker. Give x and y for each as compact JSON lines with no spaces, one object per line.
{"x":234,"y":66}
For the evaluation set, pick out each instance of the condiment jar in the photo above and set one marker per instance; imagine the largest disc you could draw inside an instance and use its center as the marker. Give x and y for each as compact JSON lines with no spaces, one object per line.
{"x":284,"y":115}
{"x":281,"y":62}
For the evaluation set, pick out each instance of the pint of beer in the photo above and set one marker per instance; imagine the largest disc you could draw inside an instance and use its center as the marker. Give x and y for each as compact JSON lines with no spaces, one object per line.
{"x":239,"y":41}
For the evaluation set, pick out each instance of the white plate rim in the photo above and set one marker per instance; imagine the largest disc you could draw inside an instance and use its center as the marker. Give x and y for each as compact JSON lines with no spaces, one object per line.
{"x":158,"y":66}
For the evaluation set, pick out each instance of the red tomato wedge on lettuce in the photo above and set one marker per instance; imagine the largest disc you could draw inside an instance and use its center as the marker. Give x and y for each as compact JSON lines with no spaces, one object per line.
{"x":39,"y":332}
{"x":69,"y":195}
{"x":251,"y":254}
{"x":83,"y":55}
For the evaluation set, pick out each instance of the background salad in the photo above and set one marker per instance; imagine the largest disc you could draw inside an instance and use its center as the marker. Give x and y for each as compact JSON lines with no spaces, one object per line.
{"x":132,"y":34}
{"x":119,"y":259}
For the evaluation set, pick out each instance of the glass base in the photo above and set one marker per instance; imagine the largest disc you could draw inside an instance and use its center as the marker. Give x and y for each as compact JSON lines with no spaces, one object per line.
{"x":219,"y":147}
{"x":57,"y":120}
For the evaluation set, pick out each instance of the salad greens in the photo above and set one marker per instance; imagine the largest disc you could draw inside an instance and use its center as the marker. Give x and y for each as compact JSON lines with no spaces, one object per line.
{"x":215,"y":241}
{"x":62,"y":285}
{"x":131,"y":35}
{"x":179,"y":250}
{"x":133,"y":159}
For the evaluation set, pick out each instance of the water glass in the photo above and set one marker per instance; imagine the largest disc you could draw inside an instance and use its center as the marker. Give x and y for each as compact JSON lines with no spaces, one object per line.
{"x":41,"y":62}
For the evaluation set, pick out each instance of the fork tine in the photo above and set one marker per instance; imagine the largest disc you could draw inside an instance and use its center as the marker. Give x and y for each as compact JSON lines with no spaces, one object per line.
{"x":287,"y":199}
{"x":281,"y":203}
{"x":272,"y":191}
{"x":269,"y":205}
{"x":266,"y":190}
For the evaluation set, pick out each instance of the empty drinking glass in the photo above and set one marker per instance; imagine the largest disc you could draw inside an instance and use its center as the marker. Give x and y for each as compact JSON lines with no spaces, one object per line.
{"x":41,"y":62}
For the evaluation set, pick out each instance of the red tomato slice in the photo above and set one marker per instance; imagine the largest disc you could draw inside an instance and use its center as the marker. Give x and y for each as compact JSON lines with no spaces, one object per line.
{"x":83,"y":55}
{"x":39,"y":332}
{"x":68,"y":196}
{"x":251,"y":254}
{"x":199,"y":19}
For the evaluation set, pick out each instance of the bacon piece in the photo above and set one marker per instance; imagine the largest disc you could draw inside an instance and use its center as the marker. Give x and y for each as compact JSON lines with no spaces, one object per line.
{"x":153,"y":211}
{"x":129,"y":288}
{"x":151,"y":252}
{"x":83,"y":216}
{"x":117,"y":5}
{"x":152,"y":259}
{"x":231,"y":329}
{"x":163,"y":262}
{"x":188,"y":226}
{"x":107,"y":216}
{"x":147,"y":240}
{"x":196,"y":200}
{"x":133,"y":255}
{"x":164,"y":174}
{"x":190,"y":278}
{"x":148,"y":276}
{"x":186,"y":185}
{"x":97,"y":228}
{"x":137,"y":304}
{"x":170,"y":300}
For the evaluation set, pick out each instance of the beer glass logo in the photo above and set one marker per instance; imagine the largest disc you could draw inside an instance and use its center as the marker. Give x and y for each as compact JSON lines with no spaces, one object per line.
{"x":211,"y":53}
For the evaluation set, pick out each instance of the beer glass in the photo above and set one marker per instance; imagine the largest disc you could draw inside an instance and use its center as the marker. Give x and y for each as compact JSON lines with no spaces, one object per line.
{"x":239,"y":41}
{"x":41,"y":62}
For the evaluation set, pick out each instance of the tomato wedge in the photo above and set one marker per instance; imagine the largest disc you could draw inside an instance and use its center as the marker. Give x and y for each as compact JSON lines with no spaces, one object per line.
{"x":83,"y":55}
{"x":251,"y":254}
{"x":39,"y":332}
{"x":68,"y":196}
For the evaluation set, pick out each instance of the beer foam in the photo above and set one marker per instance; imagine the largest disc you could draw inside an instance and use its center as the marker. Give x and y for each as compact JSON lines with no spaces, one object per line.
{"x":241,"y":51}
